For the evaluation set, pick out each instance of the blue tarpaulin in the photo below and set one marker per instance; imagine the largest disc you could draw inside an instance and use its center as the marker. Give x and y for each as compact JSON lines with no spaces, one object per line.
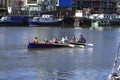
{"x":65,"y":3}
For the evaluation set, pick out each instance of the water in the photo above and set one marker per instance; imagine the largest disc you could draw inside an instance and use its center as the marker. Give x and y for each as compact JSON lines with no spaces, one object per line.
{"x":90,"y":63}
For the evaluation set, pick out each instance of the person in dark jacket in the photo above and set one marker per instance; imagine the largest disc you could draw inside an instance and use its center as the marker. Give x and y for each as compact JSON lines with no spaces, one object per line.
{"x":82,"y":39}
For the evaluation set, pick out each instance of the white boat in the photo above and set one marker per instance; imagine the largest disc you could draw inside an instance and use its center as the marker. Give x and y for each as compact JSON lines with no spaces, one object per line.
{"x":47,"y":20}
{"x":115,"y":74}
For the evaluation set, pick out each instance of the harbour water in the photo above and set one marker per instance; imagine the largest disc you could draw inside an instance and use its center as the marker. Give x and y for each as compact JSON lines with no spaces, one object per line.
{"x":89,"y":63}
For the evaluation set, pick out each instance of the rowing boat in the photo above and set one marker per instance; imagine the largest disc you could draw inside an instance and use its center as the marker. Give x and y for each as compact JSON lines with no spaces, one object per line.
{"x":48,"y":45}
{"x":58,"y":45}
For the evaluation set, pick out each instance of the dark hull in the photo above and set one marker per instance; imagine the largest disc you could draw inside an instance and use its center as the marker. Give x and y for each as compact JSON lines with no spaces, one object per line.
{"x":77,"y":43}
{"x":10,"y":23}
{"x":14,"y":21}
{"x":46,"y":45}
{"x":58,"y":23}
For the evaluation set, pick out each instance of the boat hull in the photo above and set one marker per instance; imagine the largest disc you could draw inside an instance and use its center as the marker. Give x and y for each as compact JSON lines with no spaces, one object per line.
{"x":14,"y":21}
{"x":33,"y":23}
{"x":77,"y":43}
{"x":46,"y":45}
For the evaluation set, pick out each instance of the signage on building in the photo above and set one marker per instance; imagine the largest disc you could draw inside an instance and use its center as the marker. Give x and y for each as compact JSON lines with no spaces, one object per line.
{"x":64,"y":3}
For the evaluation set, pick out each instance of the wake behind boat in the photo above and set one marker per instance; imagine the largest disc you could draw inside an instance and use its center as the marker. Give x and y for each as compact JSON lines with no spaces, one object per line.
{"x":47,"y":20}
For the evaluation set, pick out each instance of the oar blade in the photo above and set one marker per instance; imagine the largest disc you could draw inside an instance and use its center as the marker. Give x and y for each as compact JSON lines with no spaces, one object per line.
{"x":71,"y":45}
{"x":89,"y":44}
{"x":81,"y":46}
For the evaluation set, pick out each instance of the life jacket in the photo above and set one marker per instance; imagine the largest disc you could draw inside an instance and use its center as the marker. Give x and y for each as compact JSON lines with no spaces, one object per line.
{"x":35,"y":41}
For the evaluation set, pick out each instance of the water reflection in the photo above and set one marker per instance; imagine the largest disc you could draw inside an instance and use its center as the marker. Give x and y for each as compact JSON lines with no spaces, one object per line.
{"x":55,"y":75}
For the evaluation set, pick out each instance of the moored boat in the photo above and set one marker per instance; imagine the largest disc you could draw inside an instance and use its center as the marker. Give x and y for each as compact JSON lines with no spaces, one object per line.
{"x":47,"y":45}
{"x":14,"y":21}
{"x":46,"y":20}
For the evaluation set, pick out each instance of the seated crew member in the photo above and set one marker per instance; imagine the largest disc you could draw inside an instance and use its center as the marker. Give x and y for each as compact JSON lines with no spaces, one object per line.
{"x":35,"y":40}
{"x":73,"y":39}
{"x":55,"y":40}
{"x":63,"y":40}
{"x":82,"y":39}
{"x":46,"y":40}
{"x":66,"y":39}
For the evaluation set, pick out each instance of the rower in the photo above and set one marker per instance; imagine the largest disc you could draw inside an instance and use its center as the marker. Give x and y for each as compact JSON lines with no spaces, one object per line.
{"x":73,"y":39}
{"x":81,"y":39}
{"x":46,"y":40}
{"x":35,"y":40}
{"x":64,"y":39}
{"x":55,"y":40}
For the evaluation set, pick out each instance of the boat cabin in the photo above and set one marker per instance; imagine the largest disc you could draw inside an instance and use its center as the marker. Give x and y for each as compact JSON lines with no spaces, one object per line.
{"x":46,"y":18}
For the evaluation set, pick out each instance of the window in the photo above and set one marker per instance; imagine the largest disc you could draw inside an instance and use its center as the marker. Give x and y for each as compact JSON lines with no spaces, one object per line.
{"x":32,"y":1}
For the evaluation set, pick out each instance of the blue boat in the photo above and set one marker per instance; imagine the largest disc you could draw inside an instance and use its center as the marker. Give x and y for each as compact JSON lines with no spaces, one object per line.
{"x":46,"y":20}
{"x":14,"y":21}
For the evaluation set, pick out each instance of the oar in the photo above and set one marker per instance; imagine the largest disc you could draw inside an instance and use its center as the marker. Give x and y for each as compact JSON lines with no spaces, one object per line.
{"x":81,"y":46}
{"x":68,"y":45}
{"x":72,"y":45}
{"x":89,"y":44}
